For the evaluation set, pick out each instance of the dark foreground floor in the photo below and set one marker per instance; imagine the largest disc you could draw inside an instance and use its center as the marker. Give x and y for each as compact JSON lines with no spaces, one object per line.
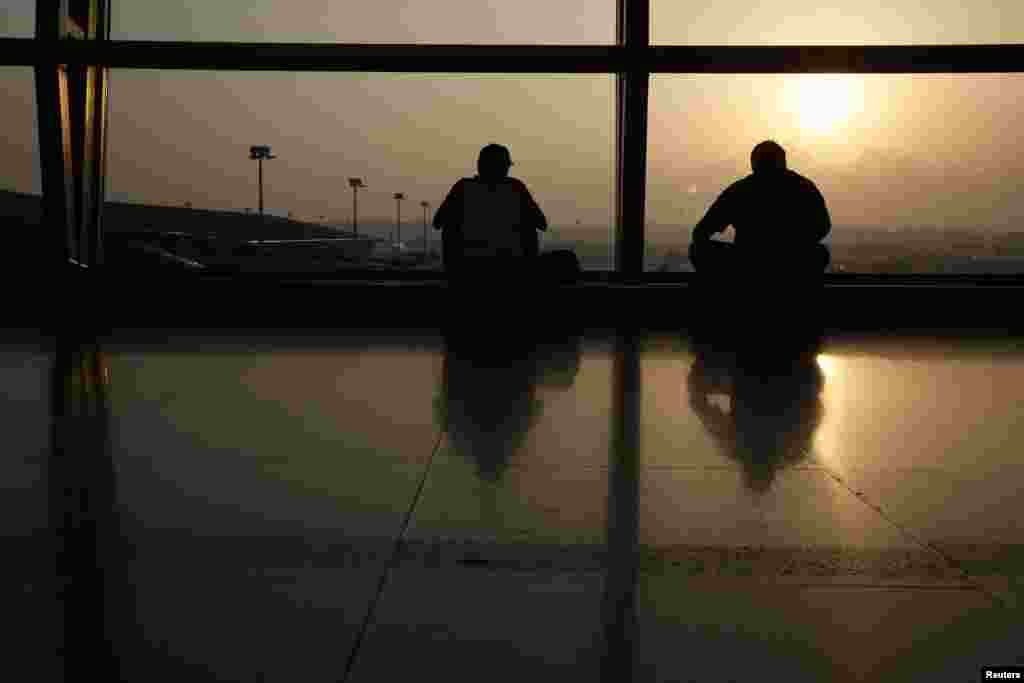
{"x":371,"y":506}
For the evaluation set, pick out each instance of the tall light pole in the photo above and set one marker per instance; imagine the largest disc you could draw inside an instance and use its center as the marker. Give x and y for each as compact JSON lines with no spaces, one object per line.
{"x":356,"y":183}
{"x":425,"y":205}
{"x":259,"y":153}
{"x":399,"y":196}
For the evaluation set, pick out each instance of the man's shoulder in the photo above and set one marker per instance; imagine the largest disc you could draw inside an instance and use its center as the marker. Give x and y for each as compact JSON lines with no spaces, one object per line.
{"x":801,"y":180}
{"x":739,"y":186}
{"x":786,"y":181}
{"x":459,"y":188}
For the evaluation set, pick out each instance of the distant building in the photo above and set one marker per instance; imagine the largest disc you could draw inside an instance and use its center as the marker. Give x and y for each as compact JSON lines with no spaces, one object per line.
{"x":981,"y":265}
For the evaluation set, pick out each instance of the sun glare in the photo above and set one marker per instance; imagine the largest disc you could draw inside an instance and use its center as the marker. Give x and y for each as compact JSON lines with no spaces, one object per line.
{"x":823,"y":103}
{"x":827,"y":364}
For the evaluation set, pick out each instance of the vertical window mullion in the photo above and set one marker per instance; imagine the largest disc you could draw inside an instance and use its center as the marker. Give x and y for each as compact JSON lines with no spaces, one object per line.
{"x":56,"y":164}
{"x":632,"y":85}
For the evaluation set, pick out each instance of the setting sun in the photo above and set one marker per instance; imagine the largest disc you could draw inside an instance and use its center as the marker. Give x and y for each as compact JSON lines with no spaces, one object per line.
{"x":823,"y":103}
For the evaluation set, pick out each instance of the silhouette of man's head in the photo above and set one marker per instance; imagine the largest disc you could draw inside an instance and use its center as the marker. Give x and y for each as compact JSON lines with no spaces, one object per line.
{"x":494,"y":161}
{"x":768,"y":156}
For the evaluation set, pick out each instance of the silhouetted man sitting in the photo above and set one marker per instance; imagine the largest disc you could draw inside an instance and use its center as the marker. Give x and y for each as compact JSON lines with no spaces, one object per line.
{"x":489,"y":223}
{"x":779,"y":217}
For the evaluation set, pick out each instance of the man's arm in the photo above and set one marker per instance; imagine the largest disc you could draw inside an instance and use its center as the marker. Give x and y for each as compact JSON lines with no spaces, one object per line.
{"x":449,"y":214}
{"x":533,"y":217}
{"x":822,"y":222}
{"x":717,"y":219}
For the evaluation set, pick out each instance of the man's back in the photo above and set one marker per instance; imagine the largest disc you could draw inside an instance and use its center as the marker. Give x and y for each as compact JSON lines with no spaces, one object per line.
{"x":492,"y":217}
{"x":776,"y":208}
{"x":485,"y":218}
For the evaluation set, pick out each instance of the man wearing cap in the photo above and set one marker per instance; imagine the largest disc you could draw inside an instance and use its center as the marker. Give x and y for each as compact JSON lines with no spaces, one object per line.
{"x":489,"y":221}
{"x":780,"y":219}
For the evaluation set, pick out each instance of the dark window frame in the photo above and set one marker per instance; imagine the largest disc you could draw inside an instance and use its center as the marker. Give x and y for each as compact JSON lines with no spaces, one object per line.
{"x":632,"y":60}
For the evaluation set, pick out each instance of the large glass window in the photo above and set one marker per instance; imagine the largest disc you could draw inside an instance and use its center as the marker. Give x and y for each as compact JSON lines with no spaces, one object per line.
{"x":919,"y":172}
{"x":523,"y":22}
{"x":180,"y":155}
{"x":17,"y":18}
{"x":848,"y":22}
{"x":947,"y":140}
{"x":20,"y":189}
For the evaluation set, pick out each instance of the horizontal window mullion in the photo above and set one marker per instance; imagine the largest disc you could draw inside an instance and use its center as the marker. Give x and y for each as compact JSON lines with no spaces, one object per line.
{"x":306,"y":57}
{"x":837,"y":59}
{"x":517,"y":58}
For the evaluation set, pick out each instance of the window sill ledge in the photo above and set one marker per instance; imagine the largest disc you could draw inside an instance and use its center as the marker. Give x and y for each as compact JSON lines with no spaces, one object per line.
{"x":858,"y":302}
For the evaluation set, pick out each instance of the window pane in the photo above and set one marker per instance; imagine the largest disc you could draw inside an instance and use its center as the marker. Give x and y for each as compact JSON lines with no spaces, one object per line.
{"x":19,"y":148}
{"x":849,"y":22}
{"x":17,"y":18}
{"x":181,"y":141}
{"x":921,"y":173}
{"x":527,"y":22}
{"x":20,"y":188}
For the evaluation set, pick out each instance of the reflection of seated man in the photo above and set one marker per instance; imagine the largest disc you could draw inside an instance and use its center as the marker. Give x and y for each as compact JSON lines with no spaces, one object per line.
{"x":489,"y":398}
{"x":779,"y":217}
{"x":772,"y":412}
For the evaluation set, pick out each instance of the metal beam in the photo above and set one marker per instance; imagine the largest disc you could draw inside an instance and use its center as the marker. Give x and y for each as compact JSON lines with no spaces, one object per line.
{"x":631,"y":92}
{"x":59,"y":219}
{"x":515,"y":58}
{"x":94,"y":19}
{"x":56,"y":159}
{"x":303,"y":57}
{"x":72,"y":106}
{"x":838,"y":59}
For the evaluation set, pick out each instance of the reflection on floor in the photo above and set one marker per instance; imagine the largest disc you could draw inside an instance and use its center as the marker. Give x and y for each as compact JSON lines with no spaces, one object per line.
{"x":504,"y":505}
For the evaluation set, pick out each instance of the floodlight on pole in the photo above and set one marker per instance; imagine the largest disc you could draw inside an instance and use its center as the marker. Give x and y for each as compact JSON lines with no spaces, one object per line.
{"x":355,"y":183}
{"x":399,"y":196}
{"x":425,"y":205}
{"x":259,"y":153}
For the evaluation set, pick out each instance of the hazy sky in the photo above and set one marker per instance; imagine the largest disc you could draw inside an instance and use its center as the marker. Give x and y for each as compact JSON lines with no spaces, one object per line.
{"x":726,"y":22}
{"x":885,"y":150}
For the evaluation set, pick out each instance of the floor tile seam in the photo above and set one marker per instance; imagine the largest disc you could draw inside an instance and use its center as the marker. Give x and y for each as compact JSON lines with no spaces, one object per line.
{"x":729,"y":467}
{"x":970,"y":588}
{"x":921,"y":541}
{"x":391,"y":564}
{"x":725,"y":467}
{"x":923,"y":469}
{"x":757,"y":583}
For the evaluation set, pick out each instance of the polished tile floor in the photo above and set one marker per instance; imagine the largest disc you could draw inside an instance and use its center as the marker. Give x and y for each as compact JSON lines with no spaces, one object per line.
{"x":364,"y":507}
